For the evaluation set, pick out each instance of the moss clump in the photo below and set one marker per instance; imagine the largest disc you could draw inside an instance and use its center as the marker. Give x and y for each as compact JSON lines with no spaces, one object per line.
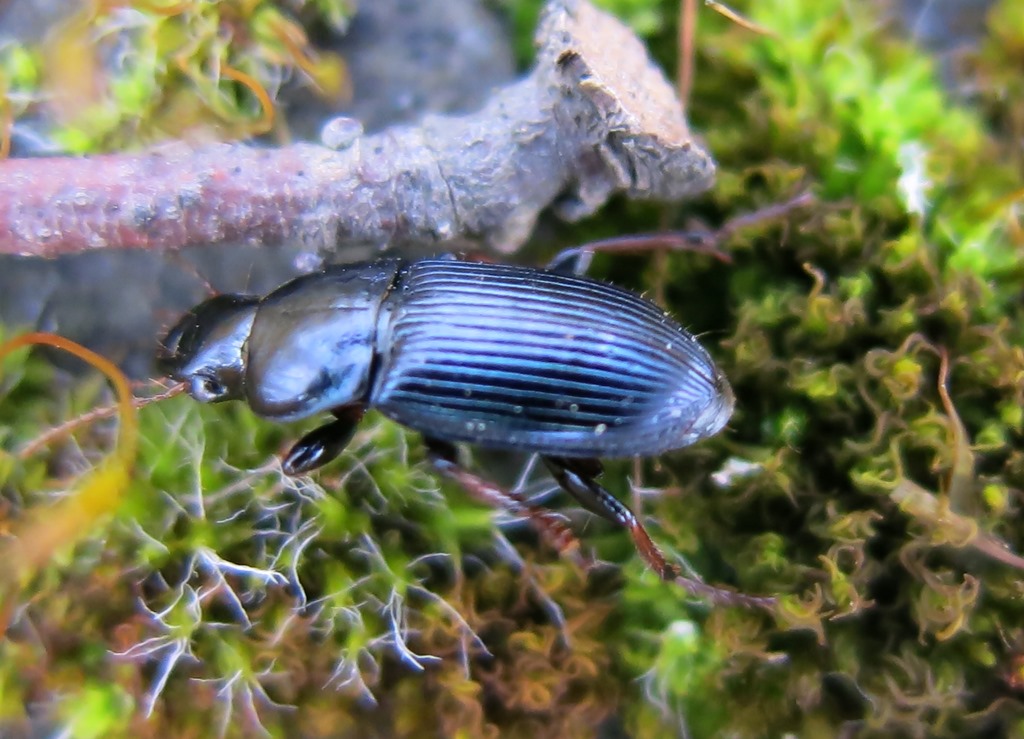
{"x":880,"y":504}
{"x":120,"y":75}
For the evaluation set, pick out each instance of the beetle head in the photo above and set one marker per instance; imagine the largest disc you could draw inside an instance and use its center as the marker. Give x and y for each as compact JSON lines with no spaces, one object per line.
{"x":206,"y":349}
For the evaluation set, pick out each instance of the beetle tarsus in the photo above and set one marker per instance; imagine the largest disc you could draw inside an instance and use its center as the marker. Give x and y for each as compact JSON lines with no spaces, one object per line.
{"x":322,"y":444}
{"x":551,"y":526}
{"x":722,"y":596}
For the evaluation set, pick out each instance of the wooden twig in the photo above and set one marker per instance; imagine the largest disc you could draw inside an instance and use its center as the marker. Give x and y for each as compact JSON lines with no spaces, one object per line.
{"x":593,"y":118}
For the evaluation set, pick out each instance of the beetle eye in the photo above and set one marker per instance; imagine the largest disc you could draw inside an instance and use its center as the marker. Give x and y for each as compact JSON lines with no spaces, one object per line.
{"x":206,"y":389}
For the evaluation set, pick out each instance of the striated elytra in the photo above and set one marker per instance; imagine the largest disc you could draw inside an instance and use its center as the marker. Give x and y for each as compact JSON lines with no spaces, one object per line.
{"x":496,"y":355}
{"x":535,"y":360}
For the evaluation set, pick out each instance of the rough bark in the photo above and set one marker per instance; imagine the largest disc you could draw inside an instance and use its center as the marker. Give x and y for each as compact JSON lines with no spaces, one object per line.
{"x":594,"y":117}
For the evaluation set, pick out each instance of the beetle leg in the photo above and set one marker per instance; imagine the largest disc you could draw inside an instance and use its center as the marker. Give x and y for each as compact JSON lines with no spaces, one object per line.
{"x":576,"y":476}
{"x":576,"y":260}
{"x":443,"y":456}
{"x":573,"y":261}
{"x":324,"y":443}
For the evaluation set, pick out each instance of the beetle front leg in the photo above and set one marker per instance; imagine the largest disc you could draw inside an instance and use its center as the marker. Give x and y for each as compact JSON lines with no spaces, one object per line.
{"x":576,"y":476}
{"x":324,"y":443}
{"x":443,"y":456}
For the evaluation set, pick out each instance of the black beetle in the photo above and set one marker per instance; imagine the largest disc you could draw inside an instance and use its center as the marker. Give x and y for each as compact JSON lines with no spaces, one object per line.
{"x":519,"y":358}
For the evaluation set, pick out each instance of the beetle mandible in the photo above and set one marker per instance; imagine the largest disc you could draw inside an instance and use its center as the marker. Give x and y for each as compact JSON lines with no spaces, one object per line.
{"x":532,"y":360}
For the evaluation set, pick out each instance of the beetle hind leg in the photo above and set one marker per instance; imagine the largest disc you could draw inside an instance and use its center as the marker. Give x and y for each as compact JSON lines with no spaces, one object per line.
{"x":576,"y":476}
{"x":552,"y":527}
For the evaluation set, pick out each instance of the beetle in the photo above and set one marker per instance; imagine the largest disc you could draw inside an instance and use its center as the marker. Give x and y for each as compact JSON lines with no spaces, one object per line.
{"x":544,"y":361}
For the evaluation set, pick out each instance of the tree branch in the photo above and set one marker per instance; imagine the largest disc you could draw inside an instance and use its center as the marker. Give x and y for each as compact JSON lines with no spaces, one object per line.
{"x":594,"y":117}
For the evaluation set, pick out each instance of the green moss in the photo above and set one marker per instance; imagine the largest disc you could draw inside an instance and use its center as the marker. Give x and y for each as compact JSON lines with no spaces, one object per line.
{"x":114,"y":77}
{"x":97,"y":711}
{"x":829,"y":329}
